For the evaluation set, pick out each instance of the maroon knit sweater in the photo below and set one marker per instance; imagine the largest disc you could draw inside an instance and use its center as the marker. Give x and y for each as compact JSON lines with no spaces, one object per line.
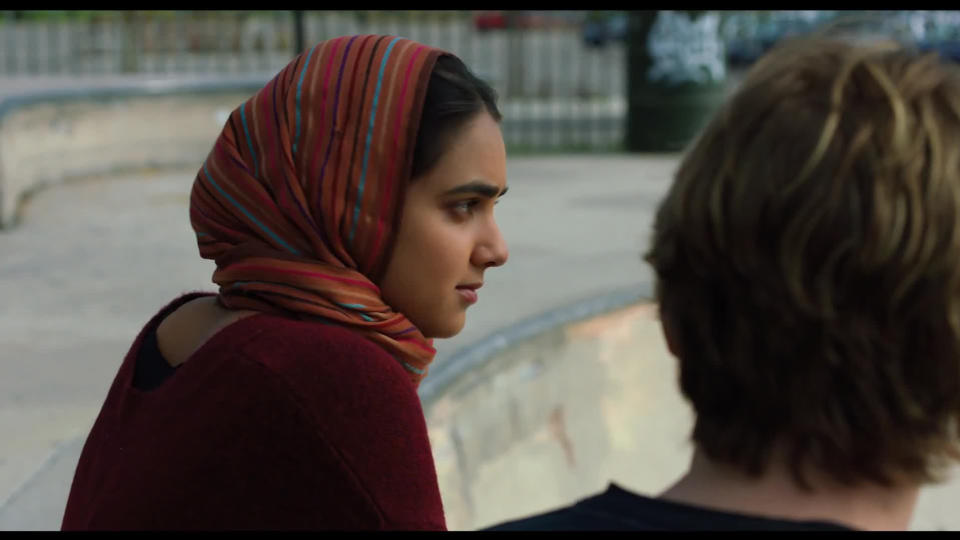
{"x":272,"y":424}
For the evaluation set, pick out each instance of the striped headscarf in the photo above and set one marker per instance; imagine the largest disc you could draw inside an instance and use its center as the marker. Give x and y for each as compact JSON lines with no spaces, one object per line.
{"x":299,"y":200}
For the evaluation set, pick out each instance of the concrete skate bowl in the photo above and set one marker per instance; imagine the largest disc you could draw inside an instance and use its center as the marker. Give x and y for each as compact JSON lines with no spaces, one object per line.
{"x":66,"y":130}
{"x":555,"y":408}
{"x":530,"y":417}
{"x":535,"y":416}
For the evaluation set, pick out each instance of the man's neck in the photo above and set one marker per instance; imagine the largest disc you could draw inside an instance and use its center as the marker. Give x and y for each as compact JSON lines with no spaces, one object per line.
{"x":774,"y":495}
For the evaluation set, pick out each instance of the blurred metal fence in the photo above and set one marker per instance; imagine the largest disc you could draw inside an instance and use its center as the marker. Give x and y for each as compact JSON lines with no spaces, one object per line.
{"x":557,"y":91}
{"x":561,"y":75}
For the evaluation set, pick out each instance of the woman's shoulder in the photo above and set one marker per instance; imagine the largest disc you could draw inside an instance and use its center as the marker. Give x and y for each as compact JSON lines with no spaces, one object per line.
{"x":317,"y":351}
{"x":362,"y":402}
{"x":322,"y":365}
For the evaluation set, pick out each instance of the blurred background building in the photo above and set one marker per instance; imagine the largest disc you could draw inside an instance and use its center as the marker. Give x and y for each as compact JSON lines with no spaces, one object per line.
{"x":561,"y":75}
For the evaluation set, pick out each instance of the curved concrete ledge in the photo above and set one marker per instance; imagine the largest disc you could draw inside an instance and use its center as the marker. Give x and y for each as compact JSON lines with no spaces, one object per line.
{"x":53,"y":134}
{"x":469,"y":359}
{"x":554,"y":408}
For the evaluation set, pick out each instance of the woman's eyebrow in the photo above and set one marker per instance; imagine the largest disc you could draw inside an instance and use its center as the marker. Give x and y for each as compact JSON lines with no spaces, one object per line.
{"x":489,"y":191}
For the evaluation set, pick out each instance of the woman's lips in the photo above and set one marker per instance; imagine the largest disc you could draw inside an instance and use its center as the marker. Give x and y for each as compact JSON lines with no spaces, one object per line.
{"x":469,"y":294}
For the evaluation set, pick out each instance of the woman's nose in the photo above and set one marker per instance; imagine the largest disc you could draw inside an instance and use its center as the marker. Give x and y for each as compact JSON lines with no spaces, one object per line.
{"x":493,"y":250}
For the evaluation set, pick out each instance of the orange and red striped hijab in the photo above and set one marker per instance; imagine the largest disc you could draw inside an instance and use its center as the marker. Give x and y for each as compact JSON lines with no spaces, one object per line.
{"x":299,"y":200}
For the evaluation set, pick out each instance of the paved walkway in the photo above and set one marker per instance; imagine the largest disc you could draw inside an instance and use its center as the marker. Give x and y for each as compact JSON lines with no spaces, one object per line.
{"x":92,"y":260}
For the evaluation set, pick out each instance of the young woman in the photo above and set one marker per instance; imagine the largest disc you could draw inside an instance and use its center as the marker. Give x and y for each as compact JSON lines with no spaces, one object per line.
{"x":348,"y":206}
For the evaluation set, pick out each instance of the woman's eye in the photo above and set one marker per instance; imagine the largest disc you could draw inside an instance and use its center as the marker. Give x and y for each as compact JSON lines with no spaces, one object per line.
{"x":465,"y":207}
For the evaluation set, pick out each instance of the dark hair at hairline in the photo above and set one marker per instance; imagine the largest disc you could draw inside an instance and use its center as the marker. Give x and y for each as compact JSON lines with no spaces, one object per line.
{"x":454,"y":97}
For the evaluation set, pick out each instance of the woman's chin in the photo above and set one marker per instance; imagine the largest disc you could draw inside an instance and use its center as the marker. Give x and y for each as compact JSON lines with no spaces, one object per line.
{"x":444,"y":330}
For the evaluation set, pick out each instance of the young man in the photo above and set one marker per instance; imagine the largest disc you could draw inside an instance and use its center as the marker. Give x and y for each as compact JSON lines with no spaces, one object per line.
{"x":808,"y":267}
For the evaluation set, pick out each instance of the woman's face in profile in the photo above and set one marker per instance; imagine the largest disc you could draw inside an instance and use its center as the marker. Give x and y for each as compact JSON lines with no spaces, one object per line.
{"x":448,"y":236}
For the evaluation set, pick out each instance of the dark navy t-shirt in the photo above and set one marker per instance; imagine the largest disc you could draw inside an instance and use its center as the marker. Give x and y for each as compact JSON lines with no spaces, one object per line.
{"x":619,"y":509}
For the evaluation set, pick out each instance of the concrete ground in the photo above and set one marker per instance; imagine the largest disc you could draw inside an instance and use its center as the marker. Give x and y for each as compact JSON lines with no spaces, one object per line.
{"x":94,"y":259}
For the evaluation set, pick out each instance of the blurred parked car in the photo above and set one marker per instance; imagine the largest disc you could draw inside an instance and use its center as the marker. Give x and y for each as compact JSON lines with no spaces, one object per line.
{"x":743,"y":52}
{"x":754,"y":36}
{"x":598,"y":31}
{"x":500,"y":20}
{"x":948,"y":49}
{"x":939,"y":31}
{"x":489,"y":20}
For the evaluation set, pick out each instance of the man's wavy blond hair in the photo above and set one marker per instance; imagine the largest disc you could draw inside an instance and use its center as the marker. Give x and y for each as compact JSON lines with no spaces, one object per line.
{"x":808,"y":265}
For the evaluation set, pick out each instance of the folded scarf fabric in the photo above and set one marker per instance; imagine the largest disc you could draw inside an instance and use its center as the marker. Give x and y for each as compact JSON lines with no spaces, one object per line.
{"x":299,"y":200}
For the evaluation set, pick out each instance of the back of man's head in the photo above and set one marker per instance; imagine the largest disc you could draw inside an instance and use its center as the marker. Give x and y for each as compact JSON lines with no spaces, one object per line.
{"x":808,"y":266}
